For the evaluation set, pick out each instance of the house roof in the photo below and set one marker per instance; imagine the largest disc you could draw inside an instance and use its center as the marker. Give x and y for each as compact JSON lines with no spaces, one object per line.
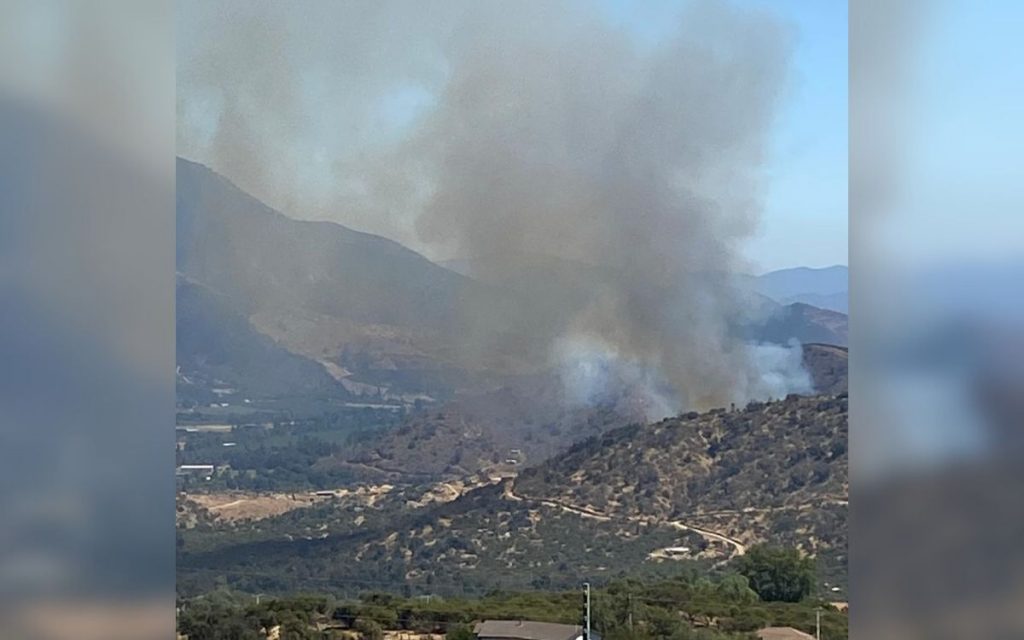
{"x":783,"y":633}
{"x":526,"y":630}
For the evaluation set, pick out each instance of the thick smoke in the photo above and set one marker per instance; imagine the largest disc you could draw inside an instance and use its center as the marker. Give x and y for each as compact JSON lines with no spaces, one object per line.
{"x":519,"y":136}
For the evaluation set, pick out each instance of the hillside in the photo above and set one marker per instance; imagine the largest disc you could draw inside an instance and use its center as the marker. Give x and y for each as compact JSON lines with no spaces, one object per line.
{"x":828,"y":366}
{"x":787,"y":456}
{"x":260,"y":258}
{"x":802,"y":322}
{"x":521,"y":423}
{"x":375,"y":314}
{"x":528,"y":420}
{"x":217,"y":347}
{"x":638,"y":500}
{"x":839,"y":301}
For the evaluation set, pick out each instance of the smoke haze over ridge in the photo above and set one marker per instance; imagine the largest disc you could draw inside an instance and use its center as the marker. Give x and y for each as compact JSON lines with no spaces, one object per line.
{"x":469,"y":130}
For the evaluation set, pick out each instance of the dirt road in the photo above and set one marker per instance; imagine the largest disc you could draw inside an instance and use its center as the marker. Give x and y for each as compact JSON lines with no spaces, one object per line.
{"x":586,"y":512}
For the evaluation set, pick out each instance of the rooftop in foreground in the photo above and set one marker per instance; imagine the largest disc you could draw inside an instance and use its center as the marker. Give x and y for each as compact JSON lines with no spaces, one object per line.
{"x":526,"y":630}
{"x":783,"y":633}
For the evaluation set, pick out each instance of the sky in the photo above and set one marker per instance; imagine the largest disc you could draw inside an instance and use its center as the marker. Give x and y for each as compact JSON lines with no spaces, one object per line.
{"x":804,"y":222}
{"x":804,"y":217}
{"x":959,"y":196}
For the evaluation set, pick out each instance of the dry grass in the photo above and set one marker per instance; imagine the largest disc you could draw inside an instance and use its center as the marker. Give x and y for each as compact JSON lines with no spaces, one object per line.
{"x":234,"y":507}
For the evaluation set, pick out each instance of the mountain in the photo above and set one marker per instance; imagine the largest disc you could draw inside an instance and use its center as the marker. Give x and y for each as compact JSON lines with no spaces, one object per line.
{"x":768,"y":454}
{"x":827,"y":288}
{"x":260,"y":258}
{"x":839,"y":302}
{"x":217,"y":347}
{"x":802,"y":322}
{"x":373,"y":313}
{"x":774,"y":472}
{"x":640,"y":499}
{"x":786,"y":283}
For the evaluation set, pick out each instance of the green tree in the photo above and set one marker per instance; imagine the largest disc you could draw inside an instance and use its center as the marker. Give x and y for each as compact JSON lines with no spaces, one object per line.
{"x":384,"y":614}
{"x":735,"y":588}
{"x":777,"y":574}
{"x":296,"y":630}
{"x":460,"y":632}
{"x":369,"y":630}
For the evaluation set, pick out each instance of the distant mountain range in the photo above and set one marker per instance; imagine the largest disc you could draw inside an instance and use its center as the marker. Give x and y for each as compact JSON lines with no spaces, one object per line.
{"x":827,"y":288}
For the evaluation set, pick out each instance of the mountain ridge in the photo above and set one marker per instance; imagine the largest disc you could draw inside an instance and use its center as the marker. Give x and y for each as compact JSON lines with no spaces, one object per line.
{"x":824,"y":287}
{"x":232,"y":242}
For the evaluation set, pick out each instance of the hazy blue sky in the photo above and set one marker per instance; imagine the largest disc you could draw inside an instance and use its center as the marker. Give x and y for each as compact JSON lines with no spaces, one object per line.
{"x":959,"y":197}
{"x":805,"y":219}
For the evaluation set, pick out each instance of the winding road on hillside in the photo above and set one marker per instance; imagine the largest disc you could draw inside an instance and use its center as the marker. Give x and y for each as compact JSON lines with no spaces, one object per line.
{"x":739,"y":547}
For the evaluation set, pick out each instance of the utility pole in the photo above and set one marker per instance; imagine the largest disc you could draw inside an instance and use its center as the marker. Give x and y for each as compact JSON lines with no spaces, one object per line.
{"x":817,"y":623}
{"x":586,"y":591}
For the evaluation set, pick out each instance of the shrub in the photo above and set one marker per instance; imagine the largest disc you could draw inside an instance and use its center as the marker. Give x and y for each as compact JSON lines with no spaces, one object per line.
{"x":459,"y":632}
{"x":369,"y":630}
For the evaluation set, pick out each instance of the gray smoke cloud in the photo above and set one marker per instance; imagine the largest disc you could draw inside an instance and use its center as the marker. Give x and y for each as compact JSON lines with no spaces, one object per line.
{"x":609,"y":183}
